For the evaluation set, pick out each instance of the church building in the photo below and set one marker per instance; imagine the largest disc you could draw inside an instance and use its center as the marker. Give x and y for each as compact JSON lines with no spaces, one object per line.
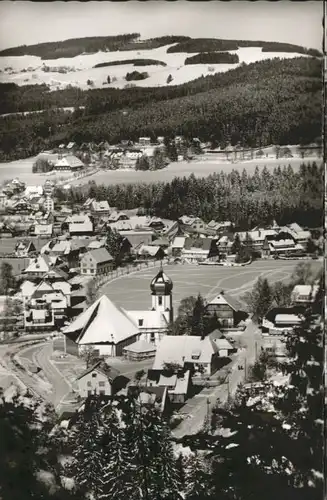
{"x":109,"y":328}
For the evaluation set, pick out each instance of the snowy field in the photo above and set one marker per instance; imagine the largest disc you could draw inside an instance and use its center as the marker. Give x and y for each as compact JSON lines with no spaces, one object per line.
{"x":132,"y":291}
{"x":23,"y":170}
{"x":26,"y":70}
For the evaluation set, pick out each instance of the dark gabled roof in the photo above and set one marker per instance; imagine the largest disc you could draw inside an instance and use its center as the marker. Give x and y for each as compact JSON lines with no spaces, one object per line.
{"x":204,"y":243}
{"x":234,"y":303}
{"x":100,"y":366}
{"x":100,"y":255}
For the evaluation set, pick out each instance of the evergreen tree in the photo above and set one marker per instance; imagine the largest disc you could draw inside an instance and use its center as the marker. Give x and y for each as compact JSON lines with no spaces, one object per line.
{"x":237,"y":245}
{"x":7,"y":279}
{"x":114,"y":245}
{"x":86,"y":468}
{"x":142,"y":163}
{"x":118,"y":465}
{"x":260,"y":299}
{"x":197,"y":479}
{"x":166,"y":479}
{"x":282,"y":294}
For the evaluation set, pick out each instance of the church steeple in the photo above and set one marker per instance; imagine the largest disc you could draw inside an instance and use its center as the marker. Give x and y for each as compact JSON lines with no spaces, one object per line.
{"x":161,"y":290}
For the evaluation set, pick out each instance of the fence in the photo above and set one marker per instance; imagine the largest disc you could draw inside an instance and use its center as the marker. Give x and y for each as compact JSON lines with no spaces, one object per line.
{"x":124,"y":271}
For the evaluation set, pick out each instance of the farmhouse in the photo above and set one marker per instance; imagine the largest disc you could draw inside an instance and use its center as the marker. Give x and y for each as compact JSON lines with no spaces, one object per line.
{"x":228,"y":310}
{"x":69,"y":162}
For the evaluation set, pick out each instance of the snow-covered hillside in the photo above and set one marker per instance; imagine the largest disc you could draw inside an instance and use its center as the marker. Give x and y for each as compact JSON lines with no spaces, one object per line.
{"x":27,"y":70}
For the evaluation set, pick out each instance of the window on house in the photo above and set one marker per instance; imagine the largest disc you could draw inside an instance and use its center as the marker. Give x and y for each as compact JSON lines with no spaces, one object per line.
{"x":89,"y":383}
{"x":89,"y":393}
{"x":102,"y":392}
{"x":102,"y":383}
{"x":160,"y":301}
{"x":140,"y":322}
{"x":94,"y":375}
{"x":152,"y":337}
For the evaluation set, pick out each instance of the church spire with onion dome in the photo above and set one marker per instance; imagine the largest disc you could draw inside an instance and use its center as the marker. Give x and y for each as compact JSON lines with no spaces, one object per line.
{"x":161,"y":290}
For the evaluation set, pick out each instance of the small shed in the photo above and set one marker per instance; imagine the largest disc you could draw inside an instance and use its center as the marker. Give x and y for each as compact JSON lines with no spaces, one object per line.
{"x":139,"y":350}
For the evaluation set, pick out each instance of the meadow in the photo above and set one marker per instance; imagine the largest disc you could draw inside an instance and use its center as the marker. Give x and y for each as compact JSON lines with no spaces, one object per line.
{"x":23,"y":170}
{"x":27,"y":70}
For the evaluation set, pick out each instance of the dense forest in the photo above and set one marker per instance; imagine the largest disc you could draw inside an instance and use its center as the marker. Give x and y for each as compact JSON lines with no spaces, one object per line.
{"x":76,"y":46}
{"x":213,"y":58}
{"x":135,"y":62}
{"x":89,"y":45}
{"x":246,"y":200}
{"x":212,"y":44}
{"x":268,"y":102}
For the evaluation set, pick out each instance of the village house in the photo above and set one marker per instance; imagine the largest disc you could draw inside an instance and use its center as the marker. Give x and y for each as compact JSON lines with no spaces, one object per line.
{"x":117,"y":216}
{"x":69,"y":163}
{"x":150,"y":252}
{"x":280,"y":321}
{"x":304,"y":295}
{"x":156,"y":397}
{"x":100,"y":379}
{"x":137,"y":238}
{"x":224,"y":347}
{"x":78,"y":225}
{"x":191,"y":224}
{"x":187,"y":352}
{"x":42,"y":230}
{"x":218,"y":227}
{"x":298,"y":233}
{"x":225,"y":245}
{"x":276,"y":246}
{"x":25,"y":248}
{"x":200,"y":249}
{"x":68,"y":250}
{"x":96,"y":262}
{"x":100,"y":208}
{"x":228,"y":310}
{"x":177,"y":383}
{"x":257,"y":237}
{"x":51,"y":297}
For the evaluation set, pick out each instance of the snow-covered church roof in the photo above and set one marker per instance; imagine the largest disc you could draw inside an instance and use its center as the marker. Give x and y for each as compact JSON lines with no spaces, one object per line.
{"x":102,"y":322}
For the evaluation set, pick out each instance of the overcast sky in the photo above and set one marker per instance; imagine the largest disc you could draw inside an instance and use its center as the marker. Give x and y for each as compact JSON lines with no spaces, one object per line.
{"x":294,"y":22}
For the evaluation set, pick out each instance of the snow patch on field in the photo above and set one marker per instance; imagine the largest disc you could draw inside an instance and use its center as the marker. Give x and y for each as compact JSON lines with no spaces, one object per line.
{"x":81,"y":68}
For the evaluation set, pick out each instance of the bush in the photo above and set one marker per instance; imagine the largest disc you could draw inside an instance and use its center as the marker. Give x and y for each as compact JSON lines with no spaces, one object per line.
{"x":136,"y":75}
